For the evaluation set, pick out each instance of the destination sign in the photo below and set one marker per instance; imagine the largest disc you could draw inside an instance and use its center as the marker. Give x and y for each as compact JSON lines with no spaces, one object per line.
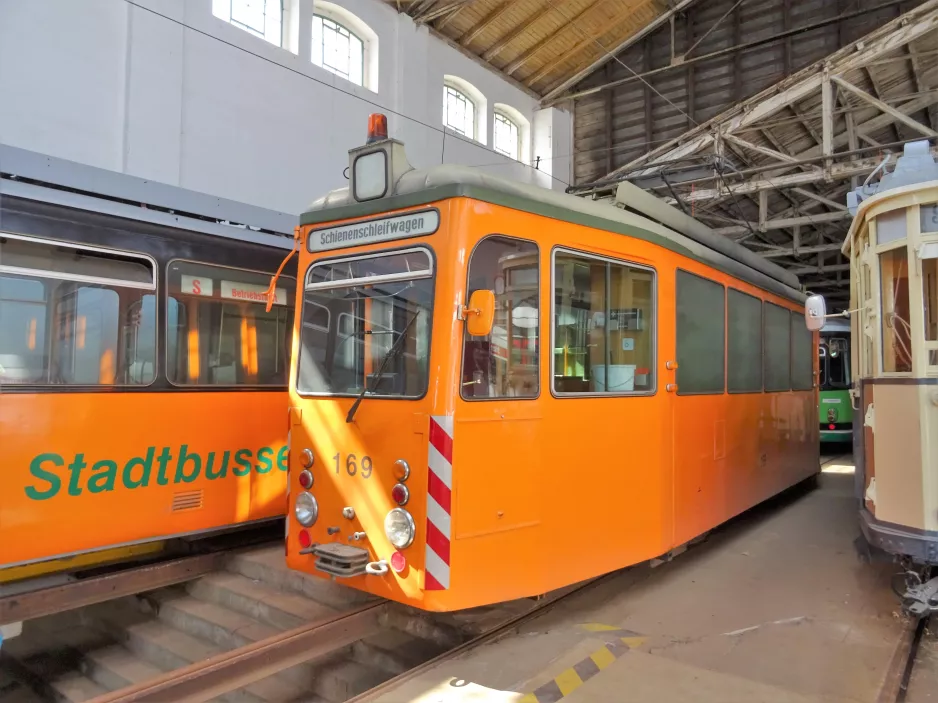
{"x":251,"y":292}
{"x":356,"y":234}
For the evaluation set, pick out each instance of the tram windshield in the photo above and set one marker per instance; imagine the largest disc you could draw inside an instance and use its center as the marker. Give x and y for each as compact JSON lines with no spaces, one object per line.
{"x":354,"y":309}
{"x":834,"y":363}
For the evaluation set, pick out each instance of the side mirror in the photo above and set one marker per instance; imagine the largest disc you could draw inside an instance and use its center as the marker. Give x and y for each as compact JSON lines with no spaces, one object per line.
{"x":815,"y":311}
{"x":480,"y":313}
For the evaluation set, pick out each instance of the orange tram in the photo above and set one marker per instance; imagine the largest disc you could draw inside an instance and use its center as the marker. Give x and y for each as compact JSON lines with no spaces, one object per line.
{"x":499,"y":390}
{"x":142,"y":386}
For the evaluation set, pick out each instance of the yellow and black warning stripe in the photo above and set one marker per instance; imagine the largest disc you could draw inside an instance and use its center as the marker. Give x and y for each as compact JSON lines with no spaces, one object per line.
{"x":571,"y":679}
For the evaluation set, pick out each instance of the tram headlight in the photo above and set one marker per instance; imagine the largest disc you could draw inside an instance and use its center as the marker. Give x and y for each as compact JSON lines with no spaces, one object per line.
{"x":399,"y":528}
{"x":832,"y":414}
{"x":306,"y":509}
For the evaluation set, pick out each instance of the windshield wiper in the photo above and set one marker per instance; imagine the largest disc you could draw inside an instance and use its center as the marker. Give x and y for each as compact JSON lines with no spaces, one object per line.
{"x":381,"y":368}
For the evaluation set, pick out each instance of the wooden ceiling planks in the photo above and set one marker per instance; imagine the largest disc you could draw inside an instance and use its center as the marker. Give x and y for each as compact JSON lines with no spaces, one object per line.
{"x":540,"y":43}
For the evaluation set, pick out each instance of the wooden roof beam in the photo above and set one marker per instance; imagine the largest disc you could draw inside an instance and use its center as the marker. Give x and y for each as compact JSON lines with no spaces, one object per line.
{"x":443,"y":21}
{"x":659,"y":21}
{"x":920,"y":86}
{"x":537,"y":48}
{"x":883,"y":107}
{"x":435,"y":13}
{"x":487,"y":21}
{"x":502,"y":43}
{"x":588,"y":40}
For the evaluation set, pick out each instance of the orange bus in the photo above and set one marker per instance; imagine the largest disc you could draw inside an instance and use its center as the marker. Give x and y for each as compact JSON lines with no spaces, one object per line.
{"x":142,"y":386}
{"x":499,"y":390}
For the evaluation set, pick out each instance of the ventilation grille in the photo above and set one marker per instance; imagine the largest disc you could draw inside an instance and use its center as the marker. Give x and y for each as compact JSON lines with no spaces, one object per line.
{"x":187,"y":500}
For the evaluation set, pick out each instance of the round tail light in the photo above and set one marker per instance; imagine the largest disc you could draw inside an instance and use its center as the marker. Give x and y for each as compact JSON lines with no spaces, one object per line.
{"x":306,"y":479}
{"x":400,"y":494}
{"x":304,"y":539}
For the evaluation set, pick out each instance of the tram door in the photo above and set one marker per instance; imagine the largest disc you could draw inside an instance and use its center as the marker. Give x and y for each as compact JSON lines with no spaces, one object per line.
{"x":498,"y":414}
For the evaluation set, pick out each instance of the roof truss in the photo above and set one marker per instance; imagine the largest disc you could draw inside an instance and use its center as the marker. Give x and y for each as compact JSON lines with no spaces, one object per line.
{"x":773,"y":170}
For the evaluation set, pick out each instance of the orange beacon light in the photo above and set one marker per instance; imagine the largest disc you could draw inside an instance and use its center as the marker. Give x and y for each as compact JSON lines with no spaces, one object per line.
{"x":377,"y":127}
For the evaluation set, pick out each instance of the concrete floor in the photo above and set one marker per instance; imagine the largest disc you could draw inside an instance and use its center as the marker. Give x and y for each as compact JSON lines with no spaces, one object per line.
{"x":773,"y":607}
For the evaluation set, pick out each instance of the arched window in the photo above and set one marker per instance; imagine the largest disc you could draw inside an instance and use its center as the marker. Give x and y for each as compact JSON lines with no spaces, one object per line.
{"x":464,"y":108}
{"x":459,"y":112}
{"x":512,"y":133}
{"x":262,"y":18}
{"x":338,"y":49}
{"x":344,"y":45}
{"x":507,"y":136}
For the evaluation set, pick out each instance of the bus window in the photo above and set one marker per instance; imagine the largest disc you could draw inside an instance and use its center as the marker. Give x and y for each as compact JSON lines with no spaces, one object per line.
{"x":89,"y":322}
{"x":505,"y":363}
{"x":74,"y":315}
{"x":354,"y":312}
{"x":218,"y":330}
{"x":22,"y":330}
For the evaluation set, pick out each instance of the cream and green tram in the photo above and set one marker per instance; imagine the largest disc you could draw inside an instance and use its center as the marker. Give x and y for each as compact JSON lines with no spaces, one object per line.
{"x":893,"y":249}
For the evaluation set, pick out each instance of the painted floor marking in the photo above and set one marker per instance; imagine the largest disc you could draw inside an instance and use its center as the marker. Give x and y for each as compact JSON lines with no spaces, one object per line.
{"x":569,"y":680}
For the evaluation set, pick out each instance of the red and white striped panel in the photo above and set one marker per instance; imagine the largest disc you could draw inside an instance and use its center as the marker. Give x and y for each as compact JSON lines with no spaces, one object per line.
{"x":439,"y":504}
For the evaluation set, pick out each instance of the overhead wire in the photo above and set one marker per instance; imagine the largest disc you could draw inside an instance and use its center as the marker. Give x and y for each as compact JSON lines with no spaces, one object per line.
{"x":443,"y":132}
{"x":619,"y":61}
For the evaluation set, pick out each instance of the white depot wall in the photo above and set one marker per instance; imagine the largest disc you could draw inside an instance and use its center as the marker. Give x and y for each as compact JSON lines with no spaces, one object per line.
{"x":163,"y":90}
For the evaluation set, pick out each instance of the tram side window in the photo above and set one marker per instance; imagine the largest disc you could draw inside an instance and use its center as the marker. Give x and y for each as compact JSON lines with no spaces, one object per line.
{"x":744,"y":341}
{"x":505,"y":363}
{"x":930,"y":283}
{"x":930,"y":294}
{"x":701,"y":340}
{"x":777,"y":342}
{"x":603,"y":326}
{"x":802,"y":353}
{"x":894,"y":294}
{"x":834,"y":362}
{"x":218,"y":330}
{"x":71,"y":315}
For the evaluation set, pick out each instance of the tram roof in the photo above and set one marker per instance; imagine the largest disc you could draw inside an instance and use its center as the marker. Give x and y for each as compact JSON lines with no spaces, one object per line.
{"x":685,"y":235}
{"x":836,"y":325}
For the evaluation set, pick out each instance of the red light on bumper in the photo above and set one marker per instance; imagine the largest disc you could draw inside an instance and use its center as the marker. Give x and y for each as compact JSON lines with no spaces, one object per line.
{"x":832,"y":427}
{"x":398,"y":562}
{"x":304,"y":539}
{"x":400,"y":494}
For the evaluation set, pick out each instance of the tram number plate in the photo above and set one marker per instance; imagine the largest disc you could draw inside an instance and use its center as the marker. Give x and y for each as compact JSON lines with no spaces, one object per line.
{"x":353,"y":465}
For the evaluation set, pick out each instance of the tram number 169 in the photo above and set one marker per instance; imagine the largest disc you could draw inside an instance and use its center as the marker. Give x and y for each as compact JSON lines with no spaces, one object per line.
{"x":352,"y":465}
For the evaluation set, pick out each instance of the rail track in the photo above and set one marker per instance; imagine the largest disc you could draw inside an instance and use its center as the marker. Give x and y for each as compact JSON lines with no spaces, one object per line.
{"x":898,"y":679}
{"x":232,"y":627}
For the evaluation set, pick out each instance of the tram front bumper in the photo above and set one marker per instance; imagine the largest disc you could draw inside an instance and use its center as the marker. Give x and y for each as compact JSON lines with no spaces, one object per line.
{"x":919,"y":545}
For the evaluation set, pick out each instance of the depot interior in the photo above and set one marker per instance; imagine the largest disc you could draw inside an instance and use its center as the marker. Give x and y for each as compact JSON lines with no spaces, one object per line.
{"x":231,"y":115}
